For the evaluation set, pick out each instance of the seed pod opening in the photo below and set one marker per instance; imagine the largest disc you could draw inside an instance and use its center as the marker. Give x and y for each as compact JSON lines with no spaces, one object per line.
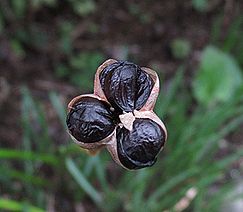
{"x":126,"y":86}
{"x":139,"y":148}
{"x":119,"y":115}
{"x":90,"y":120}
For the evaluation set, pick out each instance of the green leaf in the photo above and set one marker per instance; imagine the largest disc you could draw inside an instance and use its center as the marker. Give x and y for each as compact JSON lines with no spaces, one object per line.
{"x":180,"y":48}
{"x":217,"y":78}
{"x":19,"y":7}
{"x":17,"y":48}
{"x":84,"y":7}
{"x":12,"y":205}
{"x":200,"y":5}
{"x":234,"y":35}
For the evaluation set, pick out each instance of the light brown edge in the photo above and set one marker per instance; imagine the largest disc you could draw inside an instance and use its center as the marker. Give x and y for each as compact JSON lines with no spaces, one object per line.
{"x":97,"y":87}
{"x":150,"y":103}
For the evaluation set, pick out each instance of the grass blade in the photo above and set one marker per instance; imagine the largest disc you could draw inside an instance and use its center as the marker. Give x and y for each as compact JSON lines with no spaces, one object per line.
{"x":58,"y":105}
{"x":11,"y":173}
{"x":82,"y":181}
{"x":12,"y":205}
{"x":164,"y":101}
{"x":171,"y":184}
{"x":28,"y":155}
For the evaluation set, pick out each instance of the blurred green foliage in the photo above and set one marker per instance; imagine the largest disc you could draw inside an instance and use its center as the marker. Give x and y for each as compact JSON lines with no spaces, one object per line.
{"x":81,"y":69}
{"x":218,"y":77}
{"x":144,"y":17}
{"x":200,"y":5}
{"x":83,"y":7}
{"x":180,"y":48}
{"x":80,"y":7}
{"x":186,"y":161}
{"x":10,"y":205}
{"x":39,"y":170}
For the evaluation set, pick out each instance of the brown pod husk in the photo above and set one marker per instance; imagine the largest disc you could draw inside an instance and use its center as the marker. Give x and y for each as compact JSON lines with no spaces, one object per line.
{"x":97,"y":87}
{"x":93,"y":147}
{"x":112,"y":144}
{"x":150,"y":103}
{"x":151,"y":115}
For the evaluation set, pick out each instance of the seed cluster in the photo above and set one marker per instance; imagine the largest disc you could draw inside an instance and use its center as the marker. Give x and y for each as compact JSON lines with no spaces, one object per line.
{"x":119,"y":115}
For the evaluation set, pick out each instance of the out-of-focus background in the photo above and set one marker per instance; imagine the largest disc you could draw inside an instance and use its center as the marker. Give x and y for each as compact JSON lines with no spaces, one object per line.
{"x":49,"y":52}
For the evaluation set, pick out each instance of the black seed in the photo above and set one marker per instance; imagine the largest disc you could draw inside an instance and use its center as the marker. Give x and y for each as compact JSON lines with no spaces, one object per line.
{"x":139,"y":148}
{"x":126,"y":86}
{"x":90,"y":120}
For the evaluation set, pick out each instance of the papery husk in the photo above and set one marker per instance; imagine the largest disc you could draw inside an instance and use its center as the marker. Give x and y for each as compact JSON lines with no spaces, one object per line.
{"x":112,"y":144}
{"x":93,"y":148}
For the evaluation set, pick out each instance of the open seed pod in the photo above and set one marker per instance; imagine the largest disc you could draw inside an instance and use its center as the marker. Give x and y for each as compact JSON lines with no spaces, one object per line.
{"x":119,"y":115}
{"x":90,"y":122}
{"x":149,"y":98}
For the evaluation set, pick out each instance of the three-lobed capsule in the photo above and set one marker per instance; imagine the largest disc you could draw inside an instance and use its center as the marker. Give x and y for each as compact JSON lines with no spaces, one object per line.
{"x":119,"y":115}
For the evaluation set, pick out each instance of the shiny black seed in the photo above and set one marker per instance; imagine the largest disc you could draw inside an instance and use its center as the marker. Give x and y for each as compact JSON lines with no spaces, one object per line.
{"x":126,"y":86}
{"x":90,"y":120}
{"x":139,"y":148}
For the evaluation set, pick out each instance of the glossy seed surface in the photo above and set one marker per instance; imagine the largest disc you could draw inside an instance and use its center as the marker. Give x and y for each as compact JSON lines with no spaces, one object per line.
{"x":126,"y":86}
{"x":90,"y":120}
{"x":139,"y":148}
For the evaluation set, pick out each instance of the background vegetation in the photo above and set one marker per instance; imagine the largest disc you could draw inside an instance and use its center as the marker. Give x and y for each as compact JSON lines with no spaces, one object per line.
{"x":49,"y":52}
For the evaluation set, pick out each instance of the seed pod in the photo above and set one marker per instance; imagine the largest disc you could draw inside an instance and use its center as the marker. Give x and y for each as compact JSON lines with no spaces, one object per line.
{"x":139,"y":146}
{"x":126,"y":86}
{"x":90,"y":121}
{"x":153,"y":94}
{"x":119,"y":115}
